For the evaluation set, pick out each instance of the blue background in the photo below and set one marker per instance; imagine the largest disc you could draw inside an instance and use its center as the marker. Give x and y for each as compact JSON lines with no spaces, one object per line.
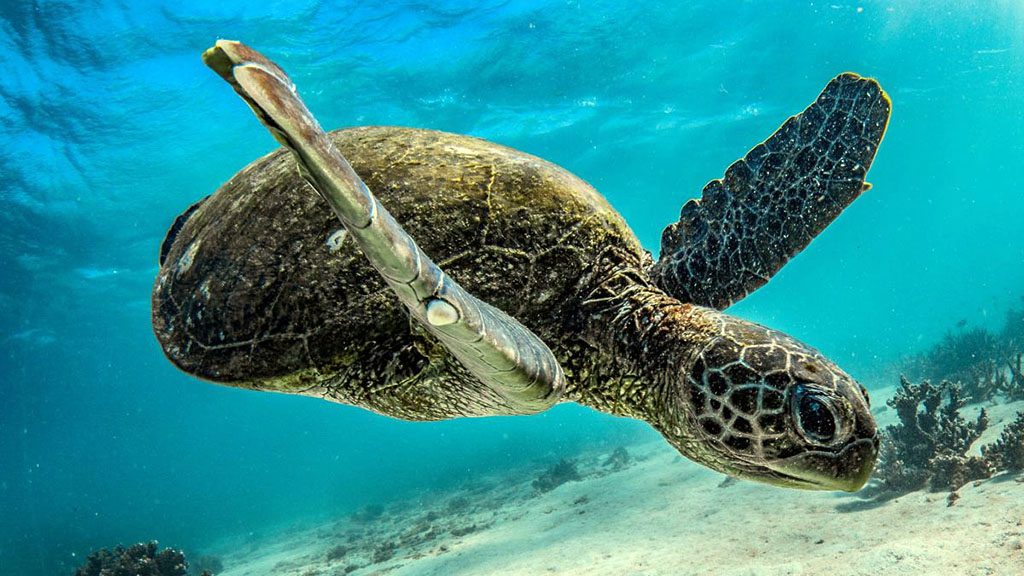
{"x":110,"y":126}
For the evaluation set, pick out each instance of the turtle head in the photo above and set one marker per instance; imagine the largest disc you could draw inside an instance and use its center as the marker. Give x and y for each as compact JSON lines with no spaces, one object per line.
{"x":760,"y":405}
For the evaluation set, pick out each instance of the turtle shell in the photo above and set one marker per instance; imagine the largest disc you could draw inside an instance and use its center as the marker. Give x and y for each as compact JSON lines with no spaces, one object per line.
{"x":258,"y":283}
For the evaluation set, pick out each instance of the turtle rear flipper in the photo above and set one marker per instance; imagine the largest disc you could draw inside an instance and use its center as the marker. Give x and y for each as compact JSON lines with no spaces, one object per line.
{"x":499,"y":351}
{"x":176,"y":226}
{"x":776,"y":199}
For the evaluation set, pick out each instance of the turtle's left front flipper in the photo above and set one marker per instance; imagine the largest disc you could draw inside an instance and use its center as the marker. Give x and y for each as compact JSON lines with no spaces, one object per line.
{"x":499,"y":351}
{"x":776,"y":199}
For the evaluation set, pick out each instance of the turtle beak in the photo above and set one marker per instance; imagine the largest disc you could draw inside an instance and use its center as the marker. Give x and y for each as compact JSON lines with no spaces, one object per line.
{"x":847,"y":469}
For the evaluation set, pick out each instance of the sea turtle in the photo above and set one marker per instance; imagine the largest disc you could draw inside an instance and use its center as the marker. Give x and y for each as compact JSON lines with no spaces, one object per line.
{"x":523,"y":287}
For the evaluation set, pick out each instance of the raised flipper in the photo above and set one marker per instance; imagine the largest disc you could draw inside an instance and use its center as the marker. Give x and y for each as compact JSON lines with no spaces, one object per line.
{"x":775,"y":200}
{"x":502,"y":353}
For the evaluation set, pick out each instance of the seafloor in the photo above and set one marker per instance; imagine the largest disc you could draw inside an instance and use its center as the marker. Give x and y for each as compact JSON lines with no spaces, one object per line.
{"x":643,"y":510}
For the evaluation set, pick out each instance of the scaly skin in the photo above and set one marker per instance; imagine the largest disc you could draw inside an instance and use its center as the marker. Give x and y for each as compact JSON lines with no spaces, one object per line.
{"x":772,"y":202}
{"x":725,"y":392}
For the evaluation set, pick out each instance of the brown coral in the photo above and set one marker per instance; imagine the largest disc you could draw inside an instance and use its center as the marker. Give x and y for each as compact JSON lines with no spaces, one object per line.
{"x":1007,"y":453}
{"x":136,"y":560}
{"x":929,"y":446}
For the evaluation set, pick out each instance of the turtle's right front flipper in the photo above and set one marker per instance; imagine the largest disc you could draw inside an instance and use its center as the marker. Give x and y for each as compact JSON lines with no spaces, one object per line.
{"x":498,"y":350}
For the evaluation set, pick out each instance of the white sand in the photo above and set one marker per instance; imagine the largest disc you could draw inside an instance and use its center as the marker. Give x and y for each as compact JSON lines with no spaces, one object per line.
{"x":664,"y":515}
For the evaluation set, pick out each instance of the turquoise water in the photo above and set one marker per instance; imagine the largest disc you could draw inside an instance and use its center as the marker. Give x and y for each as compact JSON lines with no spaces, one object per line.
{"x":112,"y":126}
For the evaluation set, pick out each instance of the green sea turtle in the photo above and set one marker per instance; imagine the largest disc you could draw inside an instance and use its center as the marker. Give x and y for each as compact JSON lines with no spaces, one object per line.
{"x":523,"y":287}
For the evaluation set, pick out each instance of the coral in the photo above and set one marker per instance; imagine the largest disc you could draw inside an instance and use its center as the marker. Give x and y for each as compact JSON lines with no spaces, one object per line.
{"x":982,"y":381}
{"x":1012,"y":343}
{"x":207,"y":564}
{"x":965,"y":357}
{"x":564,"y":471}
{"x":384,"y":552}
{"x":618,"y":460}
{"x":419,"y":533}
{"x":929,"y":446}
{"x":368,"y":513}
{"x":336,"y":553}
{"x":1013,"y":329}
{"x":1007,"y":453}
{"x":136,"y":560}
{"x":458,"y":504}
{"x":1013,"y":387}
{"x":983,"y":363}
{"x":958,"y":351}
{"x":463,"y":530}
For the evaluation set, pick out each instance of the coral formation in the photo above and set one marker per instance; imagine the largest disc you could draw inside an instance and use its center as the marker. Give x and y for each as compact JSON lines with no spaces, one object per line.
{"x":458,"y":504}
{"x":1014,"y":387}
{"x":618,"y":460}
{"x":368,"y":513}
{"x":957,"y":352}
{"x":384,"y":552}
{"x":1007,"y":453}
{"x":463,"y":530}
{"x":207,"y":564}
{"x":1013,"y":329}
{"x":560,"y":473}
{"x":985,"y":364}
{"x":964,"y":357}
{"x":136,"y":560}
{"x":929,"y":446}
{"x":336,"y":553}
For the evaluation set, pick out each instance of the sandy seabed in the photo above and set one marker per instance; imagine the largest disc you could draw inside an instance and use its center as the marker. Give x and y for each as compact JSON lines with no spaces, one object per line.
{"x":657,"y":514}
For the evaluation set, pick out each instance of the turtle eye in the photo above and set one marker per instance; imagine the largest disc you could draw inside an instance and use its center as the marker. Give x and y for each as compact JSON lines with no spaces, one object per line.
{"x":815,"y":417}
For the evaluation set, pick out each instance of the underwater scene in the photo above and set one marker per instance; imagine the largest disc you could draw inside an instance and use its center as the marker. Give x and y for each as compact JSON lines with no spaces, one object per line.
{"x":582,"y":287}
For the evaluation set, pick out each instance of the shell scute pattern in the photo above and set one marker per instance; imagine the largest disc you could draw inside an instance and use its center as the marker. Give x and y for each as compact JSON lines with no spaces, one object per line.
{"x":274,"y":293}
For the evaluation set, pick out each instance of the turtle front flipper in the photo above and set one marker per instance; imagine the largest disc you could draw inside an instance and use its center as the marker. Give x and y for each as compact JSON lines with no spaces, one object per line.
{"x":776,"y":199}
{"x":499,"y":351}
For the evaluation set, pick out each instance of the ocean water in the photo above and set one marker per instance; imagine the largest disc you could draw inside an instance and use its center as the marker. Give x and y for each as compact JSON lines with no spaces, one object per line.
{"x":111,"y":126}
